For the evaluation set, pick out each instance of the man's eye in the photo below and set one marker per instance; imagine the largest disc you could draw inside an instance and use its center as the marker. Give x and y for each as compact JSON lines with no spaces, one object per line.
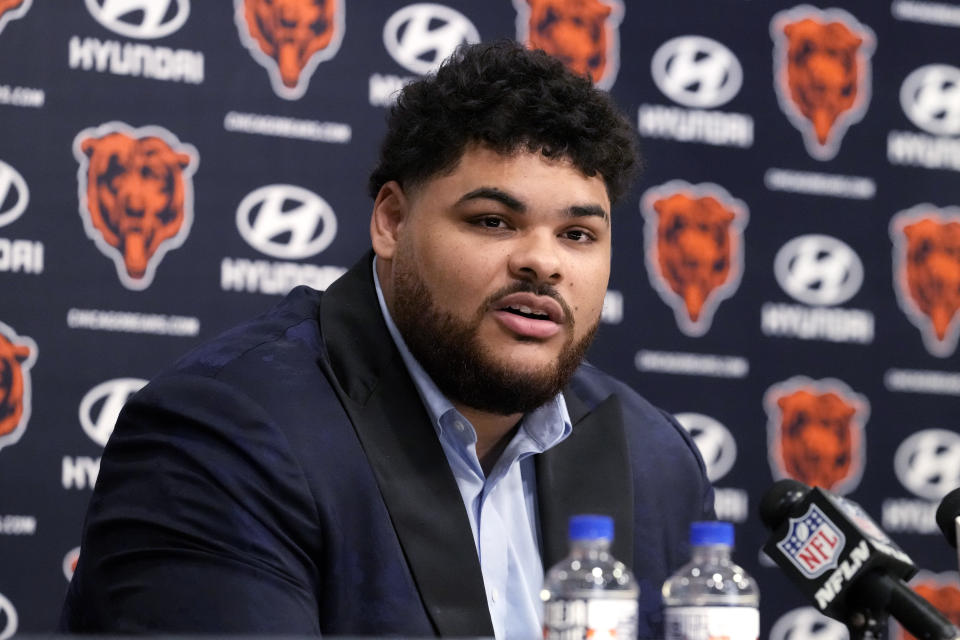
{"x":578,"y":235}
{"x":491,"y":223}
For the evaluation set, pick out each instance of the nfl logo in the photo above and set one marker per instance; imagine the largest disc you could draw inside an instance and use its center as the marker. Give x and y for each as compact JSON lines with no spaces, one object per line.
{"x":862,"y":520}
{"x":813,"y":543}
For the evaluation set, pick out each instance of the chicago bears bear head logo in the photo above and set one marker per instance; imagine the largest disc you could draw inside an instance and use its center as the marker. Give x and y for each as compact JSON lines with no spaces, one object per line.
{"x":17,"y":355}
{"x":70,"y":561}
{"x":815,"y":432}
{"x":12,"y":9}
{"x":10,"y":5}
{"x":136,"y":195}
{"x":290,"y":38}
{"x":694,"y":248}
{"x":941,"y":590}
{"x":822,"y":73}
{"x":583,"y":34}
{"x":926,"y":273}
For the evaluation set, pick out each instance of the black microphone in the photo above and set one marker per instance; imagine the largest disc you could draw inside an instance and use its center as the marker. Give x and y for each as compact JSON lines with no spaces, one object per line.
{"x":947,"y":514}
{"x":842,"y":561}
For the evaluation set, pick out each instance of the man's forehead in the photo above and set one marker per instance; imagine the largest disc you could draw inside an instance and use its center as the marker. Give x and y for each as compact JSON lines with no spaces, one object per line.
{"x":492,"y":155}
{"x":481,"y":167}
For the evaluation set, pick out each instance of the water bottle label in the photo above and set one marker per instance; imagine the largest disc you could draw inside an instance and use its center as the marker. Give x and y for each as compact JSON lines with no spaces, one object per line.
{"x":711,"y":623}
{"x":594,"y":618}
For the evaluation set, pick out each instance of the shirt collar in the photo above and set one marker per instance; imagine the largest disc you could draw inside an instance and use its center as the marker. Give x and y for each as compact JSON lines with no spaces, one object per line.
{"x":546,"y":425}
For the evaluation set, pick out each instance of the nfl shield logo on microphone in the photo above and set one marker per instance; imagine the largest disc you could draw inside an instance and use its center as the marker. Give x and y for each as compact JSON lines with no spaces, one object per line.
{"x":813,"y":543}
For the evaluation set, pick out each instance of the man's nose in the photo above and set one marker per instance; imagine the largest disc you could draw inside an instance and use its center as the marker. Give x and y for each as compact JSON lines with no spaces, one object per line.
{"x":535,"y":257}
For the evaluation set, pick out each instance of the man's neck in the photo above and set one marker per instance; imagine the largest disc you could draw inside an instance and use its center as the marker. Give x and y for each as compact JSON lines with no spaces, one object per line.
{"x":494,"y":433}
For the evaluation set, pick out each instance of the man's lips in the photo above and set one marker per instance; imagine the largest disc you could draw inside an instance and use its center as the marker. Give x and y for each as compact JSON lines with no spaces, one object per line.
{"x":529,"y":315}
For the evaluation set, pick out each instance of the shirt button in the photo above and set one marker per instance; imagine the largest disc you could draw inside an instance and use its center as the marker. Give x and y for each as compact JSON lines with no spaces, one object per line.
{"x":459,"y":425}
{"x":494,"y":595}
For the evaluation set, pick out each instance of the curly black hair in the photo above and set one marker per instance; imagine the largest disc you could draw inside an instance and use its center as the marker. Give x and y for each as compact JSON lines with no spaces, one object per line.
{"x":507,"y":98}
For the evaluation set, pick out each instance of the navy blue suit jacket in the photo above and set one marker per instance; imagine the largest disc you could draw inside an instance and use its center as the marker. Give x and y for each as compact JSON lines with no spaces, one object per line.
{"x":285,"y":478}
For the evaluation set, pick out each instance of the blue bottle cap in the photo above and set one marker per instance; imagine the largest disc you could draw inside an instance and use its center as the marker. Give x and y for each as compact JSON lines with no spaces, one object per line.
{"x":591,"y":527}
{"x":711,"y":532}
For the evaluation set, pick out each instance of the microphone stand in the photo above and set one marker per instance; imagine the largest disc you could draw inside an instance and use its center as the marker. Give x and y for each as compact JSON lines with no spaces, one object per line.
{"x":879,"y":595}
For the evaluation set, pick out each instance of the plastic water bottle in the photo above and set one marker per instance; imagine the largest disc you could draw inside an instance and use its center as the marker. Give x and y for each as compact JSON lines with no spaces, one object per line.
{"x":711,"y":597}
{"x":589,"y":594}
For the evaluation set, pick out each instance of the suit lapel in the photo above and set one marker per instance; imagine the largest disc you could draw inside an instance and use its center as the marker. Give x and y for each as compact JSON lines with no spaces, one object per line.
{"x":589,"y":472}
{"x":414,"y":477}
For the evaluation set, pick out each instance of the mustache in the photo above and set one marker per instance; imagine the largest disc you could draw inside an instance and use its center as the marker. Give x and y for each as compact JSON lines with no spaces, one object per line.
{"x":537,"y":289}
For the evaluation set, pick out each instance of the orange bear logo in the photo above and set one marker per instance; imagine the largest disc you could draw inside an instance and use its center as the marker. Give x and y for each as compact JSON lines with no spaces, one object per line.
{"x":694,"y":249}
{"x":926,"y":259}
{"x":290,"y":38}
{"x":12,"y":9}
{"x":136,"y":195}
{"x":816,"y":432}
{"x":942,"y":591}
{"x":583,"y":34}
{"x":822,"y":73}
{"x":70,"y":561}
{"x":17,"y":355}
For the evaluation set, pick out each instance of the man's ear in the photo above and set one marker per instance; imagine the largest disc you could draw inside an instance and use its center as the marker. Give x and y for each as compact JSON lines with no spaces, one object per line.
{"x":390,"y":210}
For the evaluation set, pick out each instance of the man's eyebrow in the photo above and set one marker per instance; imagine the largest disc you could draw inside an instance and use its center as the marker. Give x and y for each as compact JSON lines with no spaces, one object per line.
{"x":492,"y":193}
{"x":578,"y":211}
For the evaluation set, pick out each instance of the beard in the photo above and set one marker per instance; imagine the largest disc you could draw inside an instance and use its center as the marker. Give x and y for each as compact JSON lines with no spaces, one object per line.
{"x":466,"y":372}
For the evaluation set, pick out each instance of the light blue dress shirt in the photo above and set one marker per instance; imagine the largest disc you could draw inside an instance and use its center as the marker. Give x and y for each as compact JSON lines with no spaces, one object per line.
{"x":501,"y":507}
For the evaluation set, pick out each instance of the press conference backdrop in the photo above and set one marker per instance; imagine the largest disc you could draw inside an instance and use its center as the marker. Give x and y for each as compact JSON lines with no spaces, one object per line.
{"x":786,"y":273}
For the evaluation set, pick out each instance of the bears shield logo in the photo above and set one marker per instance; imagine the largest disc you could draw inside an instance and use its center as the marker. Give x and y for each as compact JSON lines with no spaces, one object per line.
{"x":822,"y":76}
{"x":17,"y":356}
{"x":941,"y":590}
{"x":694,"y":248}
{"x":926,"y":273}
{"x":815,"y":432}
{"x":136,"y":195}
{"x":12,"y":9}
{"x":583,"y":34}
{"x":70,"y":561}
{"x":290,"y":38}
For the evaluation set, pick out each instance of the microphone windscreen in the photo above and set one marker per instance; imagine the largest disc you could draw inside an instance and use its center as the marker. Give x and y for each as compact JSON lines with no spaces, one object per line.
{"x":779,"y":499}
{"x":947,"y":514}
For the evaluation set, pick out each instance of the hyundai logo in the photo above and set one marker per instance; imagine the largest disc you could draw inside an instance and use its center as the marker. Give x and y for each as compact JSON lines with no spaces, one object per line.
{"x":818,"y":270}
{"x":928,"y":463}
{"x":8,"y":618}
{"x":806,"y":623}
{"x":101,"y":406}
{"x":286,"y":221}
{"x":143,"y":19}
{"x":14,"y":194}
{"x":717,"y":446}
{"x":930,"y":97}
{"x":421,"y":36}
{"x":696,"y":72}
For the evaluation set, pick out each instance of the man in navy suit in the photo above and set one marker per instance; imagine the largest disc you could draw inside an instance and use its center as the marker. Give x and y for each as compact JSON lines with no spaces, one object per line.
{"x":400,"y":454}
